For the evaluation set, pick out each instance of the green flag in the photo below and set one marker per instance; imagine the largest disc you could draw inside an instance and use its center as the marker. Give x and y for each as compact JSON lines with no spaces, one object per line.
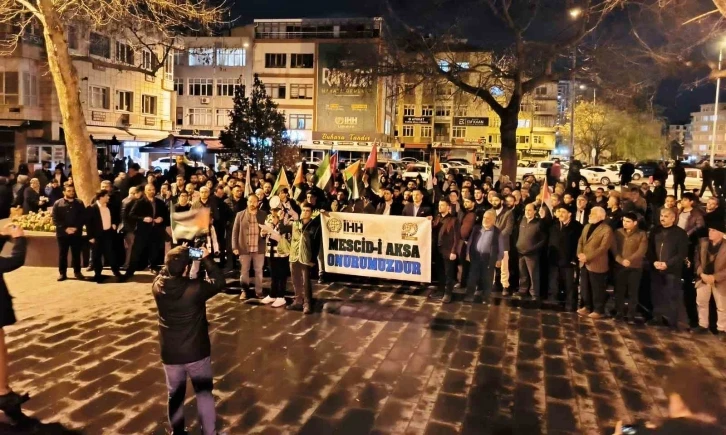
{"x":281,"y":182}
{"x":351,"y":175}
{"x":323,"y":174}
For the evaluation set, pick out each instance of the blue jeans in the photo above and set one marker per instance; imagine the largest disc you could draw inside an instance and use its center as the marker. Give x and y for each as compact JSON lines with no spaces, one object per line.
{"x":200,"y":373}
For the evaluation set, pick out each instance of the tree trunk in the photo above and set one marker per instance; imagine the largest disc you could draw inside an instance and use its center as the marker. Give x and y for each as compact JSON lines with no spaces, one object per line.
{"x":508,"y":131}
{"x":65,"y":77}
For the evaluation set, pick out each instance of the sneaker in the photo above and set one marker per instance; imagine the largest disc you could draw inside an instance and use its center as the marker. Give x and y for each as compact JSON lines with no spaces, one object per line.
{"x":243,"y":296}
{"x":447,"y":298}
{"x":583,"y":311}
{"x":595,"y":315}
{"x":279,"y":302}
{"x":457,"y":286}
{"x":294,"y":307}
{"x":267,"y":300}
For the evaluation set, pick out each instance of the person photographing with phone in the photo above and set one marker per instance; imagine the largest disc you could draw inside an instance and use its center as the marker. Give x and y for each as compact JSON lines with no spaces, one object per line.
{"x":184,"y":333}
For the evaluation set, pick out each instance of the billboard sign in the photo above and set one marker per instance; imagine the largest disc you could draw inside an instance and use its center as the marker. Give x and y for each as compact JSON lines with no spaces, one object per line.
{"x":471,"y":122}
{"x":417,"y":120}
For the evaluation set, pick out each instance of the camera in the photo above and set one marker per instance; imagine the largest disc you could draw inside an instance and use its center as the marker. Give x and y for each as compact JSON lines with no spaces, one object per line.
{"x":195,"y":253}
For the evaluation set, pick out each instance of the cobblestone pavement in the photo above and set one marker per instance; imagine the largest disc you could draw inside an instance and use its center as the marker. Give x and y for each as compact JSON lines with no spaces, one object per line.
{"x":372,"y":359}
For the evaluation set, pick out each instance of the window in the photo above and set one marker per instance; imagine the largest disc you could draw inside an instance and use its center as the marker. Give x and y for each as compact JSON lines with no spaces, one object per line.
{"x":201,"y":87}
{"x":200,"y":116}
{"x":148,"y":105}
{"x":277,"y":90}
{"x":409,"y":89}
{"x":99,"y":45}
{"x":544,"y":121}
{"x":98,"y":96}
{"x":179,"y":116}
{"x":458,"y":132}
{"x":427,"y":110}
{"x":148,"y":60}
{"x":179,"y":86}
{"x":302,"y":92}
{"x":425,"y":131}
{"x":704,"y":128}
{"x":231,"y":56}
{"x":301,"y":60}
{"x":408,"y":130}
{"x":444,"y":90}
{"x":537,"y":139}
{"x":300,"y":122}
{"x":495,"y":138}
{"x":542,"y":90}
{"x":409,"y":110}
{"x":179,"y":58}
{"x":460,"y":111}
{"x":524,"y":107}
{"x":73,"y":37}
{"x":522,"y":139}
{"x":443,"y":111}
{"x":523,"y":123}
{"x":9,"y":88}
{"x":30,"y":89}
{"x":275,"y":60}
{"x":124,"y":53}
{"x":225,"y":87}
{"x":169,"y":66}
{"x":124,"y":101}
{"x":223,"y":117}
{"x":445,"y":65}
{"x":201,"y":56}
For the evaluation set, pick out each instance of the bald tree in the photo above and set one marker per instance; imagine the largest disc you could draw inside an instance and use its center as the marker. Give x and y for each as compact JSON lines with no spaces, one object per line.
{"x":150,"y":26}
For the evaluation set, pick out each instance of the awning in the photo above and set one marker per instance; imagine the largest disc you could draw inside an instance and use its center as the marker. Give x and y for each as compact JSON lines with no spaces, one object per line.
{"x":178,"y":147}
{"x":148,"y":135}
{"x":107,"y":133}
{"x":10,"y":123}
{"x":415,"y":146}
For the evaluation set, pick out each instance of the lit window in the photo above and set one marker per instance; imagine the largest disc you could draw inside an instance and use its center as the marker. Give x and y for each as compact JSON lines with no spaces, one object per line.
{"x":200,"y":116}
{"x":169,"y":66}
{"x":231,"y":56}
{"x":300,"y":121}
{"x":302,"y":92}
{"x":201,"y":56}
{"x":148,"y":60}
{"x":276,"y":90}
{"x":223,"y":117}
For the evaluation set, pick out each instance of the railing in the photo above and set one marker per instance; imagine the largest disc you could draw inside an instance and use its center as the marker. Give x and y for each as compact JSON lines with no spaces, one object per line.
{"x":360,"y":34}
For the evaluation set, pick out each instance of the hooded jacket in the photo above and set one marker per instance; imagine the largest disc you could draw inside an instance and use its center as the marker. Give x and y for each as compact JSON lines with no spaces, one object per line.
{"x":182,"y":305}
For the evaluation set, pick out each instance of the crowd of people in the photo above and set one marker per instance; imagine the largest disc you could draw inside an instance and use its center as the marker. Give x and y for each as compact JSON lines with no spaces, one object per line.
{"x":550,"y":240}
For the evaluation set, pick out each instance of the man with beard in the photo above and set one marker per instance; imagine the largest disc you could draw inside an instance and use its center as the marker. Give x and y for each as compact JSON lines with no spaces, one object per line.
{"x":504,"y":222}
{"x":249,"y":244}
{"x":221,"y":214}
{"x":389,"y":207}
{"x":670,"y":203}
{"x":235,"y":203}
{"x":532,"y":237}
{"x":289,"y":209}
{"x":468,"y":221}
{"x":447,"y":234}
{"x":714,"y":210}
{"x":69,"y":216}
{"x":485,"y":250}
{"x":480,"y":203}
{"x":711,"y":277}
{"x":150,"y":213}
{"x":134,"y":179}
{"x":667,"y":252}
{"x":592,"y":253}
{"x":562,"y":254}
{"x":629,"y":249}
{"x":417,"y":207}
{"x":128,"y":224}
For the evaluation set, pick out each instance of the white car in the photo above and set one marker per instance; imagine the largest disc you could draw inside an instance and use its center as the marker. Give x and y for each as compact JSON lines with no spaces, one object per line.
{"x":413,"y":171}
{"x":408,"y":160}
{"x":163,"y":164}
{"x":637,"y":175}
{"x":600,"y":175}
{"x":462,"y":165}
{"x":694,"y":179}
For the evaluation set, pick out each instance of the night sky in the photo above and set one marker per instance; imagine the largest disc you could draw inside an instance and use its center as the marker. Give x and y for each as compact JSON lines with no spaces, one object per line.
{"x":676,"y":102}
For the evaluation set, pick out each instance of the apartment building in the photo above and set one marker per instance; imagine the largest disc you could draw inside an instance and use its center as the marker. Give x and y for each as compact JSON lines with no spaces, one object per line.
{"x":119,"y":101}
{"x":701,"y":132}
{"x":435,"y":116}
{"x":206,"y":74}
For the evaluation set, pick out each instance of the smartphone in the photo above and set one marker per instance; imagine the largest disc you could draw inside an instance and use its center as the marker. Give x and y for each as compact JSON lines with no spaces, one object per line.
{"x":195,"y":253}
{"x":630,"y":429}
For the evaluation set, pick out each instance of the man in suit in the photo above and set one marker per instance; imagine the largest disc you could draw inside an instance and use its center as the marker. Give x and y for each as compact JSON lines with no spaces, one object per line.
{"x":582,"y":213}
{"x":446,"y":238}
{"x":592,"y":253}
{"x":149,"y":213}
{"x":127,"y":224}
{"x":467,"y":224}
{"x":486,"y":252}
{"x":505,"y":223}
{"x":69,"y":216}
{"x":249,"y":244}
{"x":389,"y":207}
{"x":562,"y":254}
{"x":417,"y":207}
{"x":101,"y":230}
{"x":711,"y":277}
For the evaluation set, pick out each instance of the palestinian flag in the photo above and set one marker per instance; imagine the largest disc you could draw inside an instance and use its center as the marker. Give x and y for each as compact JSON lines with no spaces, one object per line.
{"x":334,"y":163}
{"x":248,"y":183}
{"x":435,"y":169}
{"x":372,"y":162}
{"x":324,"y":174}
{"x":351,"y":176}
{"x":187,"y":225}
{"x":281,"y":182}
{"x":299,"y":181}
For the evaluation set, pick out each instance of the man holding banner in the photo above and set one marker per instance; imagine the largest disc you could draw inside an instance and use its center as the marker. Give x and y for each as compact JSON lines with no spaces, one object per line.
{"x":304,"y":248}
{"x":448,"y":233}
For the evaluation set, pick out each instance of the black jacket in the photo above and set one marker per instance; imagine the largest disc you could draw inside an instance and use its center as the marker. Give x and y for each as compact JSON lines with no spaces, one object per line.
{"x":129,"y":182}
{"x":143,"y":208}
{"x":6,"y":200}
{"x":183,"y":327}
{"x":532,"y":236}
{"x":562,"y":248}
{"x":94,"y":222}
{"x":31,"y":201}
{"x":233,"y":207}
{"x":669,"y":245}
{"x":8,"y":264}
{"x":128,"y":224}
{"x":68,"y":214}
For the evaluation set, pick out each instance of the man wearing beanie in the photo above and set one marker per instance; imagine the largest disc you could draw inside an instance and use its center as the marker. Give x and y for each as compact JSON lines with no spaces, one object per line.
{"x":184,"y":334}
{"x":711,"y":276}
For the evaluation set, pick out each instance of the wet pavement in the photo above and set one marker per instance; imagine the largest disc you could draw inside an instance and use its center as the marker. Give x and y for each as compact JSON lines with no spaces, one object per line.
{"x":374,"y":358}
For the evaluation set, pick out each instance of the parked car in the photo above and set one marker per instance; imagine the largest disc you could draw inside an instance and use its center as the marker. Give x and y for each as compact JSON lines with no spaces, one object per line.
{"x":694,"y":179}
{"x":647,"y":167}
{"x":408,"y":160}
{"x":600,"y":175}
{"x":539,"y":170}
{"x":462,"y":165}
{"x":413,"y":171}
{"x":163,"y":164}
{"x":637,"y":175}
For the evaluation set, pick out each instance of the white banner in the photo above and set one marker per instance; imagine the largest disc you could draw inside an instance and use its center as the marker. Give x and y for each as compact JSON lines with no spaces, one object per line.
{"x":391,"y":247}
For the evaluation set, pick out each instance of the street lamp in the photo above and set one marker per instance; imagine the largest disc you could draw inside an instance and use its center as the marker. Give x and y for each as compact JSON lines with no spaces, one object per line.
{"x":594,"y":90}
{"x":715,"y":106}
{"x":574,"y":14}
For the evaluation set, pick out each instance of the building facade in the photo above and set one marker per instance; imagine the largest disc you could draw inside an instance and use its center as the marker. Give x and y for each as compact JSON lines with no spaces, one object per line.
{"x":119,"y":99}
{"x":702,"y":133}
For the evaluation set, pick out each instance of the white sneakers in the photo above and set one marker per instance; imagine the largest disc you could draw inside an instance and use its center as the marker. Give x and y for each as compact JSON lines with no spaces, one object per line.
{"x":267,"y":300}
{"x":279,"y":302}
